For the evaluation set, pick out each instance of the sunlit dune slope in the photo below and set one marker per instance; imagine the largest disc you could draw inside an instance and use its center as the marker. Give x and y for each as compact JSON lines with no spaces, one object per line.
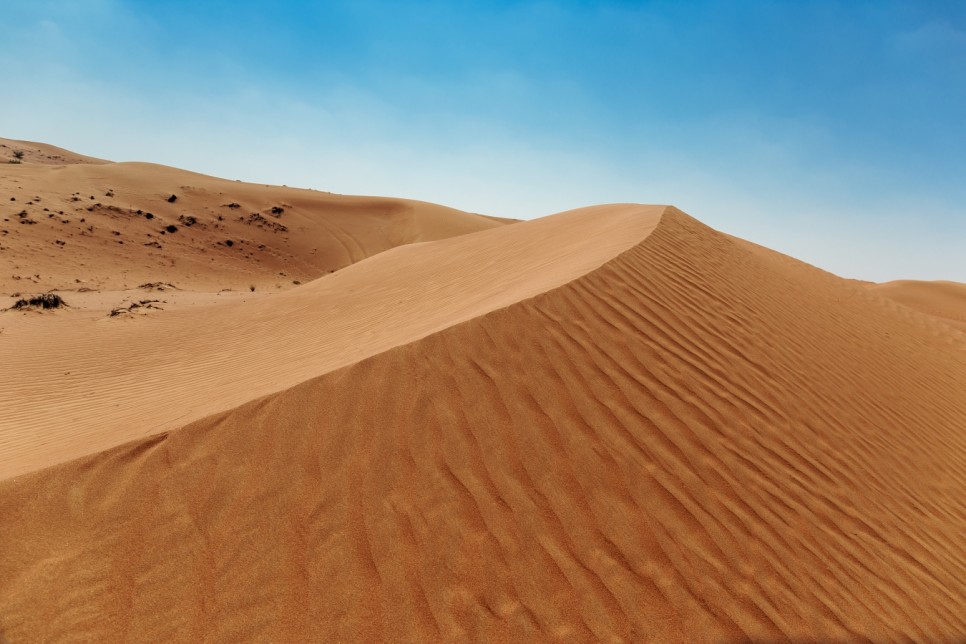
{"x":944,"y":300}
{"x":32,"y":152}
{"x":115,"y":226}
{"x":692,"y":442}
{"x":73,"y":384}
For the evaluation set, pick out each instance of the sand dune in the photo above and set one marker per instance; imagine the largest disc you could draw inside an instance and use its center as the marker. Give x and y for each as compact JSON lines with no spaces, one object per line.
{"x":613,"y":424}
{"x":116,"y":381}
{"x":114,"y":226}
{"x":31,"y":152}
{"x":943,"y":300}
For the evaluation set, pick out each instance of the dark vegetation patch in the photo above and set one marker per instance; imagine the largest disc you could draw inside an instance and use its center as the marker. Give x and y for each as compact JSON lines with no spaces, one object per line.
{"x":147,"y":304}
{"x":257,"y":220}
{"x":157,"y":286}
{"x":44,"y":301}
{"x":172,"y":198}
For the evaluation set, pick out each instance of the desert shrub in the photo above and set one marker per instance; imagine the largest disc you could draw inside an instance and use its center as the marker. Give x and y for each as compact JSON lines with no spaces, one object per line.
{"x":172,"y":198}
{"x":18,"y":154}
{"x":46,"y":301}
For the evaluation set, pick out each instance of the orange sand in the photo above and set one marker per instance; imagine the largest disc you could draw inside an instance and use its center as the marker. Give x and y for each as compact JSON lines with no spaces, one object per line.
{"x":612,"y":424}
{"x":943,"y":300}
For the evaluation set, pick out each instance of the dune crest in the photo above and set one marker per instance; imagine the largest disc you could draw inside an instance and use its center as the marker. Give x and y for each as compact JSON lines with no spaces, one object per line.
{"x":32,"y":152}
{"x":117,"y":382}
{"x":690,"y":441}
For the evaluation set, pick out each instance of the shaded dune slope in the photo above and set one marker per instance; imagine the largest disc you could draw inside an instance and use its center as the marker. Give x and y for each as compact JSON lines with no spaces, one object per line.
{"x":693,"y":442}
{"x":104,"y":382}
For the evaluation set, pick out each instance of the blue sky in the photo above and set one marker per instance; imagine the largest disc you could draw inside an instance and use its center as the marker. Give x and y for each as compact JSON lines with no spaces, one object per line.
{"x":833,"y":131}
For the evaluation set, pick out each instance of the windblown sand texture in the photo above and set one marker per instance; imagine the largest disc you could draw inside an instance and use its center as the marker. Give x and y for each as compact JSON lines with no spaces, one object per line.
{"x":611,"y":424}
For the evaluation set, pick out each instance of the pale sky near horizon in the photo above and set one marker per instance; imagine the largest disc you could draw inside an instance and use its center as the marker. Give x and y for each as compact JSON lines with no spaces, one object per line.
{"x":832,"y":131}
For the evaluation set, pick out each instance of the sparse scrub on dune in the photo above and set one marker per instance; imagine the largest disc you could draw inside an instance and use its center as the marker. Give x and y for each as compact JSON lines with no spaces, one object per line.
{"x":44,"y":301}
{"x":18,"y":154}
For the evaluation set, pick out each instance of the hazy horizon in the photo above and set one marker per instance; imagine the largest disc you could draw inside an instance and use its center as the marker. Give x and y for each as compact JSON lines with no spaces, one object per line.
{"x":831,"y":131}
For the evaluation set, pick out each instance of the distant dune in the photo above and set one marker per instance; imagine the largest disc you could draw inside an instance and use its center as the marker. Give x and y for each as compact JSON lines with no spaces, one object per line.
{"x":31,"y":152}
{"x":943,"y":300}
{"x":113,"y":226}
{"x":610,"y":424}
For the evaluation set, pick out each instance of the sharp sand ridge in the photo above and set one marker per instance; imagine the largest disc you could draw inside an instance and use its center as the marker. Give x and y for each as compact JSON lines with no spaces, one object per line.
{"x":660,"y":434}
{"x":117,"y":382}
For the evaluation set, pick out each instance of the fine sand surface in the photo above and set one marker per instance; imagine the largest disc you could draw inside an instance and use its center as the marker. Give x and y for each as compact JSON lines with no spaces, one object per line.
{"x":610,"y":424}
{"x":943,"y":300}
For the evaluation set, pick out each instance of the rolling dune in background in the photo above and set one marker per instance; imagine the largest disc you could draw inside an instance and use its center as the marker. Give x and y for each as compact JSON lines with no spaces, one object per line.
{"x":611,"y":424}
{"x":93,"y":224}
{"x":944,"y":300}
